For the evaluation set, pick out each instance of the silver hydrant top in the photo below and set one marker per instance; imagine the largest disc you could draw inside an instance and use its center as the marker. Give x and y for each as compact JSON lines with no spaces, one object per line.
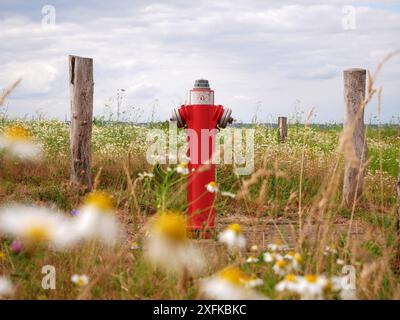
{"x":201,"y":83}
{"x":201,"y":94}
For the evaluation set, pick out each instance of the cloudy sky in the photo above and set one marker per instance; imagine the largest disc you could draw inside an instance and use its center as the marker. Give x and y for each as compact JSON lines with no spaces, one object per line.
{"x":262,"y":57}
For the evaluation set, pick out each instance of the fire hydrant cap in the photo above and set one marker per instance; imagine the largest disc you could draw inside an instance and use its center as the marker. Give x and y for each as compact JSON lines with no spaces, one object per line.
{"x":201,"y":83}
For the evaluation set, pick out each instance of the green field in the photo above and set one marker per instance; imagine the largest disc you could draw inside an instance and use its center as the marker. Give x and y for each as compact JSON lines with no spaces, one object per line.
{"x":296,"y":184}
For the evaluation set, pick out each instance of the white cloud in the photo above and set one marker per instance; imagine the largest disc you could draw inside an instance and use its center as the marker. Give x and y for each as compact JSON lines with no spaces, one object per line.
{"x":37,"y":76}
{"x":268,"y":51}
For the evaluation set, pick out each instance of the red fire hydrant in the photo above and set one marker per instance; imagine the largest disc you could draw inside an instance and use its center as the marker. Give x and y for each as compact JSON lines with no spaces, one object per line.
{"x":202,"y":119}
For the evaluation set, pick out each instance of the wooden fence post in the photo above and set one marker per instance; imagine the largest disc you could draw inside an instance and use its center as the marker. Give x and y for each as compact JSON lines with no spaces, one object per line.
{"x":282,"y":124}
{"x":354,"y":95}
{"x":81,"y":93}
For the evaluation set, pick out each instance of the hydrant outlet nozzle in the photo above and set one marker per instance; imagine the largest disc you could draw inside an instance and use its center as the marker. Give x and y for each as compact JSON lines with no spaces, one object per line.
{"x":176,"y":116}
{"x":225,"y":118}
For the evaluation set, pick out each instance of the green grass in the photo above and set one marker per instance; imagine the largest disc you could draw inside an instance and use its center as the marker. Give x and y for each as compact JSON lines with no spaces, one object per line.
{"x":121,"y":273}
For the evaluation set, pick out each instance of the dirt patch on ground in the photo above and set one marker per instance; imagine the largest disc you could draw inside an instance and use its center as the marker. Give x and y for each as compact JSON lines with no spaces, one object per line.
{"x":263,"y":231}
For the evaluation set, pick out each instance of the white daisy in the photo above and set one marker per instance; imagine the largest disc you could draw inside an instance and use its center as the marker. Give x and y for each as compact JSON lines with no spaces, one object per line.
{"x":80,"y":280}
{"x":280,"y":267}
{"x":212,"y":187}
{"x":233,"y":237}
{"x":340,"y":262}
{"x":252,"y":259}
{"x":231,"y":284}
{"x":182,"y":168}
{"x":37,"y":225}
{"x":289,"y":283}
{"x":296,"y":260}
{"x":312,"y":287}
{"x":254,"y":247}
{"x":270,"y":257}
{"x":96,"y":219}
{"x":167,"y":245}
{"x":18,"y":142}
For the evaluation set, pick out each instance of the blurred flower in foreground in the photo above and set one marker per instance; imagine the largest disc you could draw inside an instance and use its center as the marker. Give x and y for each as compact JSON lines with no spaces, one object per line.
{"x":80,"y":280}
{"x":6,"y":287}
{"x":96,"y":219}
{"x":231,"y":284}
{"x":233,"y":237}
{"x":19,"y":142}
{"x":36,"y":225}
{"x":16,"y":246}
{"x":182,"y":168}
{"x":168,"y":247}
{"x":212,"y":187}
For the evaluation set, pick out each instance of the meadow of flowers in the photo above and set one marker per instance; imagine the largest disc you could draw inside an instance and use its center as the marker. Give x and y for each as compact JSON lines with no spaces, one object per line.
{"x":282,"y":232}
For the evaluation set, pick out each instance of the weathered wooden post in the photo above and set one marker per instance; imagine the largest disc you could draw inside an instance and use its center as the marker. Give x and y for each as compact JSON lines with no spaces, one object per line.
{"x":282,"y":124}
{"x":81,"y":92}
{"x":354,"y":95}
